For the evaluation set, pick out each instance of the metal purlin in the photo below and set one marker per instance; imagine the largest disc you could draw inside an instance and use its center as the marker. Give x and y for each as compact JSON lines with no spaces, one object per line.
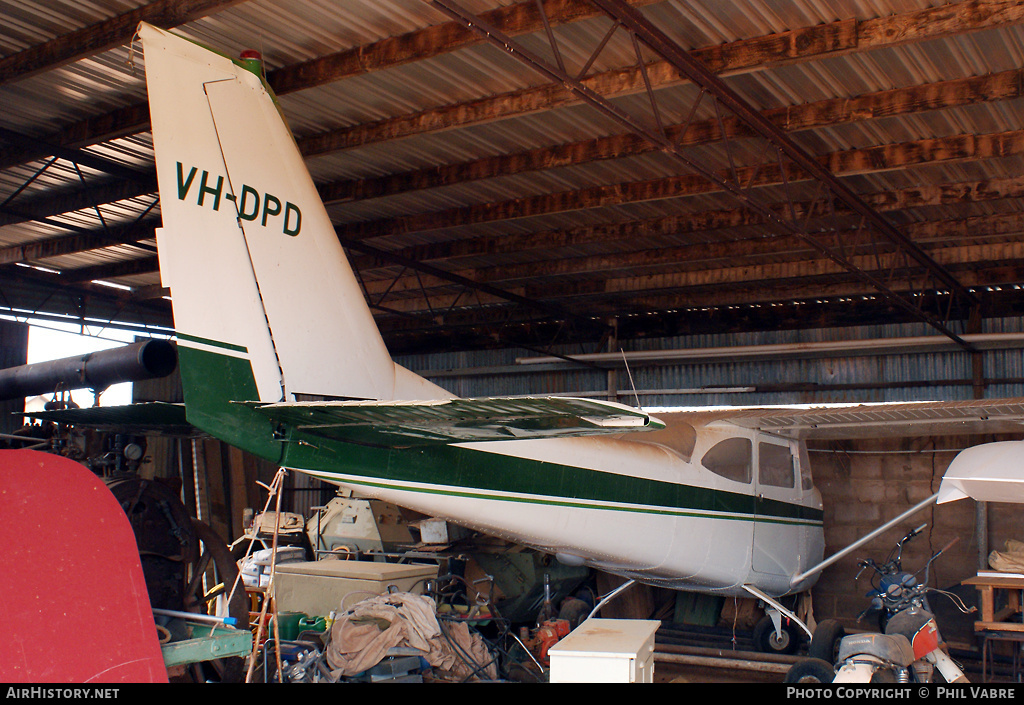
{"x":907,"y":261}
{"x":103,"y":237}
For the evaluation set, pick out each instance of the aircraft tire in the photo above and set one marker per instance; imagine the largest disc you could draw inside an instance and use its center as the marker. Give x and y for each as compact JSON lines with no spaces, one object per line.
{"x":766,"y":641}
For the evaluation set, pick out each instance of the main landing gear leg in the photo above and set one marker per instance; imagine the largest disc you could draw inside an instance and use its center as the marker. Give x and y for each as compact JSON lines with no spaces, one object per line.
{"x":772,"y":634}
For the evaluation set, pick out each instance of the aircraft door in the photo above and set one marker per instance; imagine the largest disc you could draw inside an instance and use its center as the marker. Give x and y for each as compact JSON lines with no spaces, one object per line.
{"x":725,"y":545}
{"x":777,"y":539}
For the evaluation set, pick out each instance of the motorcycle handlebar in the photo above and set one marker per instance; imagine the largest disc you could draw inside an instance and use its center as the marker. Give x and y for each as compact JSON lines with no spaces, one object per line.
{"x":914,"y":532}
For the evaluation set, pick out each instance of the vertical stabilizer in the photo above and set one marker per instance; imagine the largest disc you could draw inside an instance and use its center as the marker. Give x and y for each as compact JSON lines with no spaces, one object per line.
{"x":255,"y":268}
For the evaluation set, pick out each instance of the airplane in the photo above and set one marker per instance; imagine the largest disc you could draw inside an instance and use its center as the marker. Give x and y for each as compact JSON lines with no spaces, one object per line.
{"x":279,"y":356}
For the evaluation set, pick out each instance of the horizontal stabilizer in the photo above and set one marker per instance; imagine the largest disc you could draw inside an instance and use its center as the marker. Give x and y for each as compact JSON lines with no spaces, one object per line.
{"x":149,"y":418}
{"x":405,"y":423}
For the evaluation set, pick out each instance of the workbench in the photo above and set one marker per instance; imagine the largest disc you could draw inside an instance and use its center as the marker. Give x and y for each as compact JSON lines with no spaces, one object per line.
{"x":193,"y":642}
{"x":1002,"y":623}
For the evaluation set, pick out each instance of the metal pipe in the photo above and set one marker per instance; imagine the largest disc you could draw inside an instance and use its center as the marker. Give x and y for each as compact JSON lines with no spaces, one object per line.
{"x":15,"y":437}
{"x":860,"y":542}
{"x":146,"y":360}
{"x":195,"y":617}
{"x":714,"y":653}
{"x":730,"y":663}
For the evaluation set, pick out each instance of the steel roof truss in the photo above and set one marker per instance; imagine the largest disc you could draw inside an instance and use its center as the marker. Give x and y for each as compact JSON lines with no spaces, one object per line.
{"x":792,"y":162}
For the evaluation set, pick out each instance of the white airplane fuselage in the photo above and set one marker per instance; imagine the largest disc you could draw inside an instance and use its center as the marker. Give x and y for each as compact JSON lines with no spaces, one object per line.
{"x":634,"y":506}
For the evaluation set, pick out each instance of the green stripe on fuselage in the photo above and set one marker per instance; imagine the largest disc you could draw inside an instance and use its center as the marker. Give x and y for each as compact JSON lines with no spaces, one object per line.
{"x":459,"y":471}
{"x":212,"y":381}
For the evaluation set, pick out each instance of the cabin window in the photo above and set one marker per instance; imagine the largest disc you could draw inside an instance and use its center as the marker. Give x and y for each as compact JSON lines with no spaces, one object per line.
{"x":730,"y":458}
{"x":775,"y":465}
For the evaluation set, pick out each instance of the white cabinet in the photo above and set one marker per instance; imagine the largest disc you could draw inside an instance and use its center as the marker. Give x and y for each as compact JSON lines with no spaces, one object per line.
{"x":606,"y":651}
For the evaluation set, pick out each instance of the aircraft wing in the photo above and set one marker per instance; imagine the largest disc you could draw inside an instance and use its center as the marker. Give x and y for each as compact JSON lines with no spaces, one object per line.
{"x":146,"y":418}
{"x":982,"y":416}
{"x":403,"y":423}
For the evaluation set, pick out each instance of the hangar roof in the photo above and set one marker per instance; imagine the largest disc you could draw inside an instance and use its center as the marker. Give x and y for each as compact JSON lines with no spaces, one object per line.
{"x":674,"y":167}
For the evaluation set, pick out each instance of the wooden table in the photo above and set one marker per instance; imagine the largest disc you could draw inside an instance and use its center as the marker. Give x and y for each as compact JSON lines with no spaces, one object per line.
{"x":994,"y":624}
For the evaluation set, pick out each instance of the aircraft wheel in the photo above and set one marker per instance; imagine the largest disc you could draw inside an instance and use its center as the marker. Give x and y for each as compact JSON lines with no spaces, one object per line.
{"x":767,"y":641}
{"x":810,"y":670}
{"x":825,"y":641}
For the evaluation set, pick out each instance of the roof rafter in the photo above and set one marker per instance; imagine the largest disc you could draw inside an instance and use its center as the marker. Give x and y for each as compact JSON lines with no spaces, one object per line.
{"x":850,"y":162}
{"x":99,"y":37}
{"x":796,"y":46}
{"x":79,"y":242}
{"x":697,"y":222}
{"x":825,"y":113}
{"x":744,"y":284}
{"x":948,"y":194}
{"x":642,"y":31}
{"x":418,"y":45}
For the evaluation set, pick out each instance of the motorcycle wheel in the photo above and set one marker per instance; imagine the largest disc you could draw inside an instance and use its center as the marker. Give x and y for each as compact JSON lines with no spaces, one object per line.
{"x":768,"y":642}
{"x":810,"y":670}
{"x":825,"y":641}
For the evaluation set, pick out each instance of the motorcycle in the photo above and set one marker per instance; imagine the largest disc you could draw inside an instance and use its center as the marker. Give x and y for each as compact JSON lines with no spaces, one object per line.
{"x":907,"y":649}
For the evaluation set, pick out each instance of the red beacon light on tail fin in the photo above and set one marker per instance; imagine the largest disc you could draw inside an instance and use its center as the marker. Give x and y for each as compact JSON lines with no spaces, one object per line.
{"x":252,"y":60}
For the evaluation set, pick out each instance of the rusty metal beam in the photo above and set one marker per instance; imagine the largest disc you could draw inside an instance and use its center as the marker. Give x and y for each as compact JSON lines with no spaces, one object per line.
{"x":830,"y":112}
{"x":82,"y":241}
{"x":104,"y":35}
{"x":665,"y":47}
{"x":640,"y":30}
{"x":547,"y":307}
{"x":695,"y":223}
{"x":524,"y":17}
{"x":87,"y":159}
{"x":794,"y":46}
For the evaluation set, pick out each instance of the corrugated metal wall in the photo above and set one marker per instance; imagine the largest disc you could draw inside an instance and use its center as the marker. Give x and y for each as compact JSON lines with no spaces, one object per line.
{"x":793,"y":380}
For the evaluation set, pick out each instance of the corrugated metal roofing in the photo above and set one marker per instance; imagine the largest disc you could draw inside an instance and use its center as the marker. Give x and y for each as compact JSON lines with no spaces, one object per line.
{"x":649,"y":275}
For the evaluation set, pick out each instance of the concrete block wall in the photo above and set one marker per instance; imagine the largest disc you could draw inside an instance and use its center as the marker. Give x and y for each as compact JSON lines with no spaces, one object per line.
{"x":865,"y":484}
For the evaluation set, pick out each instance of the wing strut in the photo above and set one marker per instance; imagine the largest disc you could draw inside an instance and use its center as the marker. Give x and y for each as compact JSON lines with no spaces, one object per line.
{"x":611,"y":596}
{"x":860,"y":542}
